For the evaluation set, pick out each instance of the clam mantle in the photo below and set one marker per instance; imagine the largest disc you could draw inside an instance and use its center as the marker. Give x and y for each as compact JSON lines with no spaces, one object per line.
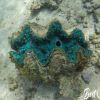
{"x":72,"y":45}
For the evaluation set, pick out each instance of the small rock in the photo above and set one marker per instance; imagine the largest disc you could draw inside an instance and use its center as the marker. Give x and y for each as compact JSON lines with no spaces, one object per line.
{"x":39,"y":4}
{"x":87,"y":76}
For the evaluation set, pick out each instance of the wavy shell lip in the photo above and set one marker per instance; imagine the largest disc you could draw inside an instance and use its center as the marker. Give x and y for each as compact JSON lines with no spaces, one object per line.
{"x":56,"y":37}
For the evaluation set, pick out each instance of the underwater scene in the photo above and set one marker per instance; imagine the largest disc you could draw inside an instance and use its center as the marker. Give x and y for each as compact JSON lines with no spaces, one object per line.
{"x":50,"y":50}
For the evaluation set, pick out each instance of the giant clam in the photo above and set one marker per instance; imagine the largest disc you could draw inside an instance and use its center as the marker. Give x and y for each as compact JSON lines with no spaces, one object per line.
{"x":53,"y":57}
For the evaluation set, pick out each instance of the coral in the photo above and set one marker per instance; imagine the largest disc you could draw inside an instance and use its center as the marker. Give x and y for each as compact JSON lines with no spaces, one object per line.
{"x":56,"y":37}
